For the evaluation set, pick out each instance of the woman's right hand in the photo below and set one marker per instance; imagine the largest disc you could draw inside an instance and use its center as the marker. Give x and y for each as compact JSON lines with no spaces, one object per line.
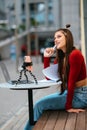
{"x":73,"y":110}
{"x":48,"y":52}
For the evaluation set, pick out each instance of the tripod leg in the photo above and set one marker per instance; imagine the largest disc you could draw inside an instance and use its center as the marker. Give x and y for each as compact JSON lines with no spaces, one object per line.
{"x":19,"y":77}
{"x":33,"y":77}
{"x":26,"y":75}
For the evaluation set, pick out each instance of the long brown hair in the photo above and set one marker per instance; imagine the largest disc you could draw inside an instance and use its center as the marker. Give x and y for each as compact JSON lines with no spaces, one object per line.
{"x":61,"y":56}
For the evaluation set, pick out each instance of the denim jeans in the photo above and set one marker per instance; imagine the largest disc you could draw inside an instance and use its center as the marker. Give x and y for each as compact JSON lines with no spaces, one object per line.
{"x":56,"y":101}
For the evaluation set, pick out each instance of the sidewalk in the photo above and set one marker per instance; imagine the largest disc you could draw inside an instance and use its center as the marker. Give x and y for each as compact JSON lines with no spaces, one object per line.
{"x":14,"y":104}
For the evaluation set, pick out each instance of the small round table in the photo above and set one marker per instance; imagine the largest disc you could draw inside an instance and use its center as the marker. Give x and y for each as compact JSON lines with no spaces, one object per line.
{"x":30,"y":87}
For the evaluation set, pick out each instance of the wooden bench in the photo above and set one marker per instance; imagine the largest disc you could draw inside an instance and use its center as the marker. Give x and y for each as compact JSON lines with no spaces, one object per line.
{"x":62,"y":120}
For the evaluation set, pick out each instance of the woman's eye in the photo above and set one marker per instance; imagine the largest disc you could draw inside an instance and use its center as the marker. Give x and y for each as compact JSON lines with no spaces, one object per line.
{"x":58,"y":36}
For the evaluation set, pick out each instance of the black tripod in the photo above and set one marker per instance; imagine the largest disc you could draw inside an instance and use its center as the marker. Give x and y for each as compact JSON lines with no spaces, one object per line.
{"x":26,"y":64}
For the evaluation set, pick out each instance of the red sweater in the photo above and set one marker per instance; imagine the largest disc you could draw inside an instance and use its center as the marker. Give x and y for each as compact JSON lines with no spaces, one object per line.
{"x":77,"y":72}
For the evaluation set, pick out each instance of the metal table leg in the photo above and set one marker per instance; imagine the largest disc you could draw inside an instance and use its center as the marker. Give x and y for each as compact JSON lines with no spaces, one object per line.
{"x":30,"y":106}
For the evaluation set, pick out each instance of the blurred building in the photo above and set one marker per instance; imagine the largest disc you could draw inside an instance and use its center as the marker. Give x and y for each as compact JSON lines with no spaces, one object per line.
{"x":85,"y":28}
{"x":4,"y":33}
{"x":47,"y":15}
{"x":43,"y":17}
{"x":2,"y":12}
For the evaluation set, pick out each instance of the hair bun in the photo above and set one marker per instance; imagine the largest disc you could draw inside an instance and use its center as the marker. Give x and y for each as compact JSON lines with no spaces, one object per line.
{"x":68,"y":25}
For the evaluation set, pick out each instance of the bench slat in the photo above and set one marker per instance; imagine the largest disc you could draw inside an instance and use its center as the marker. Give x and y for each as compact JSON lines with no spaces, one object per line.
{"x":50,"y":124}
{"x":42,"y":121}
{"x":70,"y":123}
{"x":86,"y":119}
{"x":80,"y":124}
{"x":61,"y":120}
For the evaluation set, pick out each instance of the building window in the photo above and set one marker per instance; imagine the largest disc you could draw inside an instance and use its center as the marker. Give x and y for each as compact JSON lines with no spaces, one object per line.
{"x":37,"y":13}
{"x":50,"y":12}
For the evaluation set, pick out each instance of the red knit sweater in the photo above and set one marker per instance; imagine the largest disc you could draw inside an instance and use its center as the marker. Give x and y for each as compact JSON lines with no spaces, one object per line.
{"x":77,"y":72}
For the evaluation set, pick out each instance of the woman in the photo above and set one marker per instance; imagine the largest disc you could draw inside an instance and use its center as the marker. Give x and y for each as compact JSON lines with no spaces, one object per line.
{"x":72,"y":70}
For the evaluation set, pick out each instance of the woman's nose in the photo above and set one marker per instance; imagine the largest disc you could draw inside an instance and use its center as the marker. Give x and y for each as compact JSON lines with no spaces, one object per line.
{"x":55,"y":40}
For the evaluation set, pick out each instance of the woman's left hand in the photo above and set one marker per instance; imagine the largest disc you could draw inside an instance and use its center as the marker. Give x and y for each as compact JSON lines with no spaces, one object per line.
{"x":75,"y":110}
{"x":48,"y":52}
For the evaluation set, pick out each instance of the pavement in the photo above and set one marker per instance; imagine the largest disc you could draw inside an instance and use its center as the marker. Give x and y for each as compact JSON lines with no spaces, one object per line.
{"x":13,"y":101}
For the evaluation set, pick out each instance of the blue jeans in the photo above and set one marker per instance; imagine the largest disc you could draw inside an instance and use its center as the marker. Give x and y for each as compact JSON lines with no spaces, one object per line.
{"x":57,"y":102}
